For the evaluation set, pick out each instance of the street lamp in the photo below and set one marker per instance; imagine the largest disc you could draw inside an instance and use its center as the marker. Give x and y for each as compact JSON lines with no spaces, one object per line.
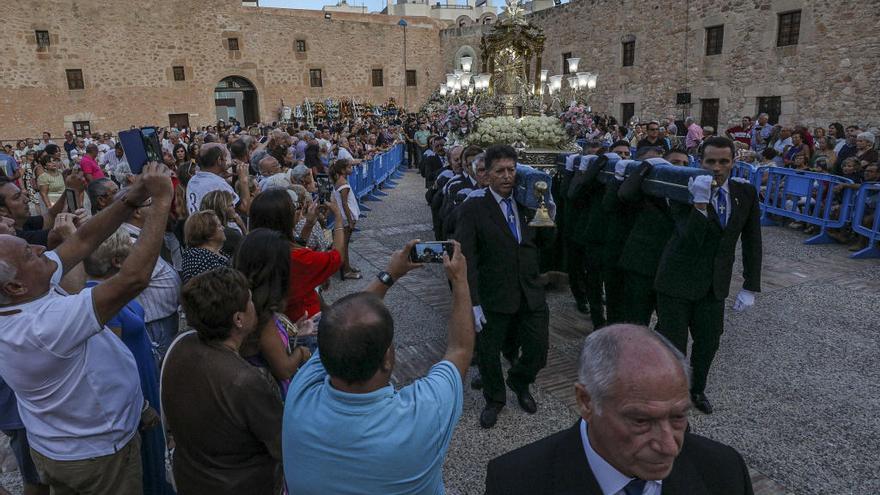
{"x":573,"y":64}
{"x":544,"y":73}
{"x":466,"y":62}
{"x":402,"y":23}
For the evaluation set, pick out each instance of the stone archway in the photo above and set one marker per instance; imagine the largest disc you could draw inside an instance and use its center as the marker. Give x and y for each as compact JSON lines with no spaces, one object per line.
{"x":236,"y":97}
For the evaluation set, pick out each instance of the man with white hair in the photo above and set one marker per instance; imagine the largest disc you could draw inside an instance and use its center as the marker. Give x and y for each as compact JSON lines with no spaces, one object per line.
{"x":632,"y":394}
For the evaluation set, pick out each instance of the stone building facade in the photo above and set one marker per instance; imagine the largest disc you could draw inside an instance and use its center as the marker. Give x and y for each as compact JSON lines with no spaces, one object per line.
{"x":130,"y":57}
{"x":830,"y":73}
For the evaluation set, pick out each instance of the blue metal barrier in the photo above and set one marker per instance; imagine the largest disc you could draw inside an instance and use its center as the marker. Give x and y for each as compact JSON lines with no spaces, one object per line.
{"x":868,"y":195}
{"x":806,"y":197}
{"x":753,"y":174}
{"x":370,"y":176}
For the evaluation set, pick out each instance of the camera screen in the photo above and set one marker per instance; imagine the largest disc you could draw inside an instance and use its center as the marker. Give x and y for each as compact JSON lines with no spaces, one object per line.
{"x":430,"y":252}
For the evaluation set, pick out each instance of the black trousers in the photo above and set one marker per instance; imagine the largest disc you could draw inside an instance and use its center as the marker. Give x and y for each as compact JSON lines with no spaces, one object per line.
{"x":414,"y":154}
{"x":705,"y":320}
{"x":530,"y":331}
{"x":595,"y":287}
{"x":419,"y":161}
{"x":577,"y":273}
{"x":612,"y":279}
{"x":641,"y":299}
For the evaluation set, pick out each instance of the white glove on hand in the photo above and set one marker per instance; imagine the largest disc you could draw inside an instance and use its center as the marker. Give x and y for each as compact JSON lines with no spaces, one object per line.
{"x":701,"y":188}
{"x":741,"y":180}
{"x":479,"y":318}
{"x":620,"y":169}
{"x":744,"y":300}
{"x":585,"y":161}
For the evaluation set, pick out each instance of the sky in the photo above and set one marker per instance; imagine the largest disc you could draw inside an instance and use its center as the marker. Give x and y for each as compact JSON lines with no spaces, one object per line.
{"x":372,"y":5}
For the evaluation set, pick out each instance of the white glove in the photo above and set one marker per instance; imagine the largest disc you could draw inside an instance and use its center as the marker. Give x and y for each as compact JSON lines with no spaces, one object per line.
{"x":741,"y":180}
{"x":479,"y":318}
{"x":744,"y":300}
{"x":701,"y":188}
{"x":620,"y":169}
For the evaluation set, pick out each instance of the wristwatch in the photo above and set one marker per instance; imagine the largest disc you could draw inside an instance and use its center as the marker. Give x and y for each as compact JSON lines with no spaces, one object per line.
{"x":385,"y":278}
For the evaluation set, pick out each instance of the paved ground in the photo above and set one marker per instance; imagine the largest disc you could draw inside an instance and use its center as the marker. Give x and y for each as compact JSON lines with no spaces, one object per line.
{"x":796,"y":384}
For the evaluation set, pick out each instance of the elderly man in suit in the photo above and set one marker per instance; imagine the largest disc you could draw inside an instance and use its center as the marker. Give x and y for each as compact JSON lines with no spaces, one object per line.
{"x":693,"y":278}
{"x":506,"y":287}
{"x":632,"y":393}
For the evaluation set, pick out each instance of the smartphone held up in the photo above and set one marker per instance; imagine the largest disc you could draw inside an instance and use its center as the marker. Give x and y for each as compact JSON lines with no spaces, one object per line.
{"x":431,"y":252}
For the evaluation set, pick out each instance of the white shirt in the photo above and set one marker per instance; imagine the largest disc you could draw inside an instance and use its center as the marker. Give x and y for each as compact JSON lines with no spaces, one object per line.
{"x":610,"y":480}
{"x":161,"y":298}
{"x":201,"y":184}
{"x":77,"y":384}
{"x":513,"y":207}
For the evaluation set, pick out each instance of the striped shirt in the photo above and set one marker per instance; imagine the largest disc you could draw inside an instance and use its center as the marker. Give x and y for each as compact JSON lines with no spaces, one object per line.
{"x":160,"y":298}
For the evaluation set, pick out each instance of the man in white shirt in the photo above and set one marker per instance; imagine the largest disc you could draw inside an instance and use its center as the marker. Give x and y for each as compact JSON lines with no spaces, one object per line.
{"x":211,"y":176}
{"x":77,"y":384}
{"x":632,"y":393}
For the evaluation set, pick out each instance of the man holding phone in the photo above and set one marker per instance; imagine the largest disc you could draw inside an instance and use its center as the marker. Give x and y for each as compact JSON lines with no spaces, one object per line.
{"x":505,"y":282}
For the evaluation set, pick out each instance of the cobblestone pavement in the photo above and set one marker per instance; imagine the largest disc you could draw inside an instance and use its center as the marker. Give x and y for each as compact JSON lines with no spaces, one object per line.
{"x":796,"y":383}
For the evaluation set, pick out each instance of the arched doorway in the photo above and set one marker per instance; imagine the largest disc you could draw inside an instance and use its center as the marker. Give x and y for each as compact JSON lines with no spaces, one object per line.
{"x":236,"y":97}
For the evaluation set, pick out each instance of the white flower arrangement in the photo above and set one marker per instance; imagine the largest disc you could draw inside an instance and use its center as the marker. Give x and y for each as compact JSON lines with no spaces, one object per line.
{"x":536,"y":132}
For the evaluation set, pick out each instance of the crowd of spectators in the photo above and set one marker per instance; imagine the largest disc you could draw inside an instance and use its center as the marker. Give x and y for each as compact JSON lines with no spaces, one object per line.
{"x":221,"y":252}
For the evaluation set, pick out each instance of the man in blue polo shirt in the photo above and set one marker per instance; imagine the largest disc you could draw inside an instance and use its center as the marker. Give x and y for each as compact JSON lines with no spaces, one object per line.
{"x":345,"y":429}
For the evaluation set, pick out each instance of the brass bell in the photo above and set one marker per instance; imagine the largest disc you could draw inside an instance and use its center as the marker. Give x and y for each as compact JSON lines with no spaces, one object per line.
{"x":542,"y":215}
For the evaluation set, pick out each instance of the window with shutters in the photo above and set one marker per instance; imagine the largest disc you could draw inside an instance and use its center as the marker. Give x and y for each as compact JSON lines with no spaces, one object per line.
{"x":301,"y":46}
{"x":377,"y":78}
{"x":43,"y":40}
{"x":75,"y":79}
{"x":81,"y":127}
{"x":411,"y":78}
{"x":629,"y":53}
{"x":789,"y":28}
{"x":709,"y":113}
{"x":315,"y":78}
{"x":714,"y":40}
{"x":232,"y":44}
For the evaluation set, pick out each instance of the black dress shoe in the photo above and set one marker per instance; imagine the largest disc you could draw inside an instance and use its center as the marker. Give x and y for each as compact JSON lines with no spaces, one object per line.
{"x":489,"y":416}
{"x":701,"y":402}
{"x":477,"y":382}
{"x":583,"y":308}
{"x":525,"y":399}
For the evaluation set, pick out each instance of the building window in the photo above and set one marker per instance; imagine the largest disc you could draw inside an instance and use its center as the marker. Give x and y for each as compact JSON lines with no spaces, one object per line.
{"x":714,"y":40}
{"x":75,"y":79}
{"x":377,"y":78}
{"x":81,"y":127}
{"x":42,"y":40}
{"x":301,"y":46}
{"x":315,"y":79}
{"x":709,"y":113}
{"x":565,"y":57}
{"x":233,"y":44}
{"x":411,"y":78}
{"x":772,"y":106}
{"x":629,"y":53}
{"x":789,"y":28}
{"x":627,"y":110}
{"x":179,"y":73}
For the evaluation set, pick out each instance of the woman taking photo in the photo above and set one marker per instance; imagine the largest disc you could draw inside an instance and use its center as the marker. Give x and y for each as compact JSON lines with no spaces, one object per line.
{"x":274,"y":209}
{"x":265,"y":261}
{"x":348,"y":212}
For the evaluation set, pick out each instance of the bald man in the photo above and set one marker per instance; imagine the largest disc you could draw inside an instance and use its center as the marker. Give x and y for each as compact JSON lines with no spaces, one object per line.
{"x":633,"y":396}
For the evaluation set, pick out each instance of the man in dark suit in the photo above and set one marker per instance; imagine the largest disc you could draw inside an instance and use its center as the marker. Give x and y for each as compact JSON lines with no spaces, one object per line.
{"x":632,"y":394}
{"x":434,"y":161}
{"x":507,"y":291}
{"x":693,"y":277}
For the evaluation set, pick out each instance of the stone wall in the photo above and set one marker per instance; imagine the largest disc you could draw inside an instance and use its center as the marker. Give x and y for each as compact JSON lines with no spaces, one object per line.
{"x":126,"y":52}
{"x":830,"y":75}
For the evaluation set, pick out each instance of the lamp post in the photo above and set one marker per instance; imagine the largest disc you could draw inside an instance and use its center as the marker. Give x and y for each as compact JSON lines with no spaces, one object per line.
{"x":402,"y":23}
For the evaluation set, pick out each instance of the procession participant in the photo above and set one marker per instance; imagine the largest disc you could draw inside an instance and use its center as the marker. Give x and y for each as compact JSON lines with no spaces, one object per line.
{"x":693,"y":278}
{"x":506,"y":290}
{"x":640,"y":254}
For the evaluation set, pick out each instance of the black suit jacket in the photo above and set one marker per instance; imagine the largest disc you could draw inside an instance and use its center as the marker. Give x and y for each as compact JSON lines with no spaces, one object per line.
{"x":503,"y":275}
{"x":433,"y":165}
{"x":557,"y":465}
{"x":699,"y":256}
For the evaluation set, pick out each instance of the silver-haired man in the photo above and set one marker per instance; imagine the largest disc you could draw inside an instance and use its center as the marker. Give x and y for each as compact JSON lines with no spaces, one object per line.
{"x":633,"y":397}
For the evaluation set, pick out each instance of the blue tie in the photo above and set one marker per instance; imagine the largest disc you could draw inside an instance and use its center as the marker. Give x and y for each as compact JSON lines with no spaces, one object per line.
{"x":634,"y":487}
{"x":721,"y":207}
{"x":511,"y":218}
